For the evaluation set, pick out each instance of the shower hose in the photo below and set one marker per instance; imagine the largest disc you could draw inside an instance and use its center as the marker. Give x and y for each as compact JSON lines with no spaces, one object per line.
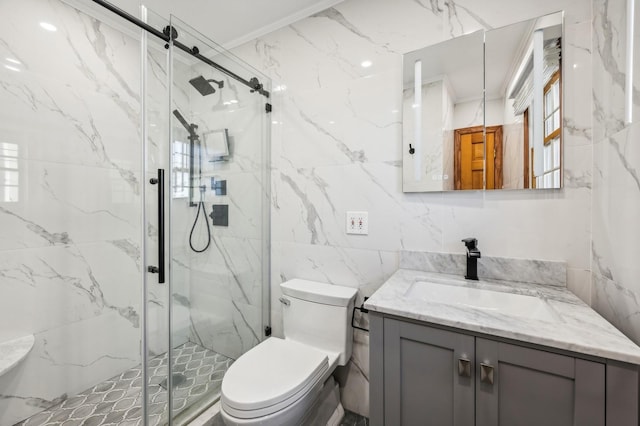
{"x":195,"y":222}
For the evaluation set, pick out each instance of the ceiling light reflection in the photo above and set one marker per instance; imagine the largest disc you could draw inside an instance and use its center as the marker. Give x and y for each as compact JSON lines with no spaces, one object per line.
{"x":49,"y":27}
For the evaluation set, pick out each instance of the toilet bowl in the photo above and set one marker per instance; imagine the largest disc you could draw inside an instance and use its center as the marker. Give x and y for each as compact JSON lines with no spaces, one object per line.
{"x":280,"y":380}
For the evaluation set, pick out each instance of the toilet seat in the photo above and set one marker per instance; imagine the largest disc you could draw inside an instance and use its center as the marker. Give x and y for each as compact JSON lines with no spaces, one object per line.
{"x":270,"y":377}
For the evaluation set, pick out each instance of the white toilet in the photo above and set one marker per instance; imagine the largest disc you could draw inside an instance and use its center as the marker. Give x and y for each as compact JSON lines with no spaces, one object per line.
{"x":279,"y":381}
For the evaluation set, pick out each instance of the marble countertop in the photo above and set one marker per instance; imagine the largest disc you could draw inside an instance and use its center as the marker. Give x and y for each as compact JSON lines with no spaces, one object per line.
{"x":14,"y":351}
{"x":575,"y":326}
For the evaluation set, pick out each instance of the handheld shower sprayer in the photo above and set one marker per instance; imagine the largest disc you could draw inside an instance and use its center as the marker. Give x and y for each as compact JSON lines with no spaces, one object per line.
{"x":194,"y":139}
{"x":200,"y":206}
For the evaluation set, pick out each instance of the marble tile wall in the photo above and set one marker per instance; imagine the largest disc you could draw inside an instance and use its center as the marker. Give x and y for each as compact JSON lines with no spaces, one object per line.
{"x":70,"y":244}
{"x":545,"y":272}
{"x":616,"y":174}
{"x":336,"y":146}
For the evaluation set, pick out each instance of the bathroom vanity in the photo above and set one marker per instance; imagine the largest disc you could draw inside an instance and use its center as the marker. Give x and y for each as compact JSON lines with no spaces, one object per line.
{"x":448,"y":351}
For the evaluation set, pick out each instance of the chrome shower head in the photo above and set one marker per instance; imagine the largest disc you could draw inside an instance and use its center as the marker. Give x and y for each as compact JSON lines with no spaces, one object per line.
{"x":204,"y":86}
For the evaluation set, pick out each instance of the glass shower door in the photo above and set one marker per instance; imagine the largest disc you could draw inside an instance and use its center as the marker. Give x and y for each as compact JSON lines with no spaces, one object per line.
{"x":156,"y":131}
{"x":218,"y":214}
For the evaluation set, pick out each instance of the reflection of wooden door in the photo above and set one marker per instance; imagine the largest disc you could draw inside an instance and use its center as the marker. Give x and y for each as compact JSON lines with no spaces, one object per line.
{"x":469,"y":157}
{"x":470,"y":167}
{"x":494,"y":157}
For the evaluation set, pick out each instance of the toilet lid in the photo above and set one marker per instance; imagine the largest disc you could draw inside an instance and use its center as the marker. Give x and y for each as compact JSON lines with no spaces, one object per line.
{"x":270,"y":373}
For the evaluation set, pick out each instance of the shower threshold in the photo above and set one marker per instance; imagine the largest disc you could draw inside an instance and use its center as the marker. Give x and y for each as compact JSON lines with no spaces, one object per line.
{"x":118,"y":401}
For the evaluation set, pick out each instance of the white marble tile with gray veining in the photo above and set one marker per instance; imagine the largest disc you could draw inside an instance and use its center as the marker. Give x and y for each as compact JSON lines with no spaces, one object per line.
{"x":616,"y":195}
{"x":228,"y":327}
{"x":570,"y":325}
{"x":71,"y":119}
{"x":577,"y":108}
{"x":312,"y":205}
{"x":79,"y":192}
{"x":230,"y":269}
{"x":618,"y":304}
{"x":609,"y":63}
{"x":64,"y":361}
{"x":496,"y":268}
{"x":84,"y":93}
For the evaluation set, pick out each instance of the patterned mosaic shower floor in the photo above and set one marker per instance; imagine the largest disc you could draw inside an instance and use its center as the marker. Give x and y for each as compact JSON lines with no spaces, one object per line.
{"x":117,"y":401}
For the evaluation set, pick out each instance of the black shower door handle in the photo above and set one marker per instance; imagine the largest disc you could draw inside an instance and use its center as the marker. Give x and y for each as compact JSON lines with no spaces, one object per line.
{"x":160,"y":268}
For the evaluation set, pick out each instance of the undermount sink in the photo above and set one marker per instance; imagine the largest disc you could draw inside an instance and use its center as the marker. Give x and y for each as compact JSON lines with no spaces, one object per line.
{"x":447,"y":292}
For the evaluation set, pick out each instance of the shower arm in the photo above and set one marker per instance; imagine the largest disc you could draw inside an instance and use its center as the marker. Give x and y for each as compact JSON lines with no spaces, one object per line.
{"x":191,"y":128}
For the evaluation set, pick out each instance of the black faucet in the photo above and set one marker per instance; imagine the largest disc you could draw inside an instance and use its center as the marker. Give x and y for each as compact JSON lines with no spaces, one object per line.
{"x":473,"y":254}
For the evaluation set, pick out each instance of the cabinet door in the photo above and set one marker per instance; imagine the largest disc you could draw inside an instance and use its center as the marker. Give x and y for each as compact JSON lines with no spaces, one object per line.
{"x":517,"y":386}
{"x":428,"y":376}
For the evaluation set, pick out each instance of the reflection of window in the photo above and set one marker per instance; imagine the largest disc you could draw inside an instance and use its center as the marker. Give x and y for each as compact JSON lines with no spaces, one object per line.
{"x":550,"y":177}
{"x":9,"y":188}
{"x":180,"y":169}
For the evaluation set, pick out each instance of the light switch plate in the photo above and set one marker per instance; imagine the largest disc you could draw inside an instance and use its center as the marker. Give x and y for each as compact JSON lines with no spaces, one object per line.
{"x":358,"y":223}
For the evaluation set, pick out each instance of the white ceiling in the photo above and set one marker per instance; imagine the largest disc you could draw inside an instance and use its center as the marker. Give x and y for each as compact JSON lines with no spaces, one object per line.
{"x":231,"y":23}
{"x":504,"y":48}
{"x":460,"y":60}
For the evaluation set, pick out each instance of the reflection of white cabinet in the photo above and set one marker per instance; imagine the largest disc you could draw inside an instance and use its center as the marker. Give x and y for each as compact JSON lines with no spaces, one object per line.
{"x":426,"y":375}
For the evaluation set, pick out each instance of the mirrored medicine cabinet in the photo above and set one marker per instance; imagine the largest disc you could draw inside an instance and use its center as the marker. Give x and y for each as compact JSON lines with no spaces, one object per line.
{"x":484,"y":110}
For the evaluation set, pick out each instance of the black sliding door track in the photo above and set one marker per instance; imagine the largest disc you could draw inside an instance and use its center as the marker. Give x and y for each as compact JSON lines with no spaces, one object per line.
{"x":170,"y":36}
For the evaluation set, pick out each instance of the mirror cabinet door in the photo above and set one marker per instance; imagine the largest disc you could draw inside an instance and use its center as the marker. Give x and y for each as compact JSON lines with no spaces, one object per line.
{"x":523,"y":108}
{"x":443,"y":116}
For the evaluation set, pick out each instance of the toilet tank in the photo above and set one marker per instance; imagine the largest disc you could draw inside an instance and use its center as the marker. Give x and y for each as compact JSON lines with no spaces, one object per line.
{"x":319,"y":315}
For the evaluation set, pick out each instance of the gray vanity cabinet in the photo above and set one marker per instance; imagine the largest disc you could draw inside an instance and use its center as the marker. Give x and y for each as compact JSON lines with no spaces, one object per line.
{"x":423,"y":375}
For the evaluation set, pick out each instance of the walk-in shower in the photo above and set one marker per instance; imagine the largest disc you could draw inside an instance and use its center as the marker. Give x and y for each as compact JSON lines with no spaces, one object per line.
{"x":99,"y":109}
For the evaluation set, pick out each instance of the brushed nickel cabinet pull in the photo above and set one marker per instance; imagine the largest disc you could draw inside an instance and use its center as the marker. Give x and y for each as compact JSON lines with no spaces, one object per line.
{"x":486,"y":373}
{"x":464,"y":367}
